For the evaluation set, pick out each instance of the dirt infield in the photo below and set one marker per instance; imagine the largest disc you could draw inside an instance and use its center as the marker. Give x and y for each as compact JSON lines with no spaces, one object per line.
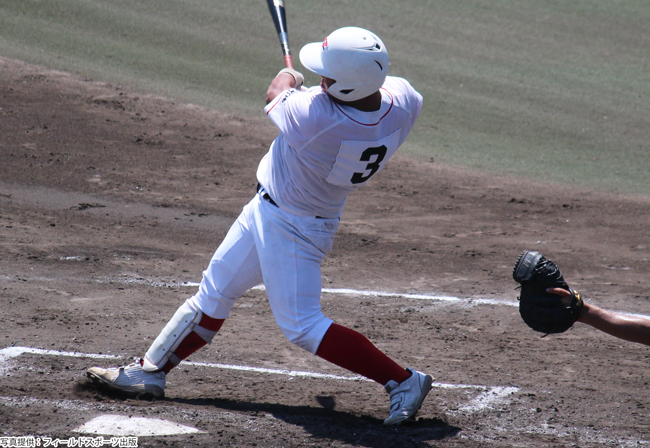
{"x":111,"y":204}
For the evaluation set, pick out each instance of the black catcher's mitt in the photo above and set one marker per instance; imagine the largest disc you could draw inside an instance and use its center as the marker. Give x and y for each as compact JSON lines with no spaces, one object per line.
{"x":540,"y":310}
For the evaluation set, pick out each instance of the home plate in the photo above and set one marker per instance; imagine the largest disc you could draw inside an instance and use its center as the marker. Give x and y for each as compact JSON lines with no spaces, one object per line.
{"x":120,"y":425}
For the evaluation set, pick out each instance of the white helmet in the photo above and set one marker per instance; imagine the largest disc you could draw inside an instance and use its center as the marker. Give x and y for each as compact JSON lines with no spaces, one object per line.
{"x":355,"y":58}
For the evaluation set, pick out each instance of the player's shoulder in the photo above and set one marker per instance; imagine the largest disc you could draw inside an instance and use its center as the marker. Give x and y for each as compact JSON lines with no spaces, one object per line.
{"x":402,"y":91}
{"x":309,"y":110}
{"x":399,"y":85}
{"x":296,"y":100}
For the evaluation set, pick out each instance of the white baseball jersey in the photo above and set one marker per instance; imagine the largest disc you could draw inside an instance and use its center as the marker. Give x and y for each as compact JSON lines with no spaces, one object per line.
{"x":325,"y":150}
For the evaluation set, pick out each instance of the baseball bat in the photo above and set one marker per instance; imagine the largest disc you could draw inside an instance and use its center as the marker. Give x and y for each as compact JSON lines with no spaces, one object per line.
{"x":280,"y":19}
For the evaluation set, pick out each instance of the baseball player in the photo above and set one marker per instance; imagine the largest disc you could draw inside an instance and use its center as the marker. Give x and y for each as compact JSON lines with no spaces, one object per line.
{"x":332,"y":139}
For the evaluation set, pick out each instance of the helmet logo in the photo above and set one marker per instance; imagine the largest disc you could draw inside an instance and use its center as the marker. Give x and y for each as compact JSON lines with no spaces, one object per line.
{"x":325,"y":47}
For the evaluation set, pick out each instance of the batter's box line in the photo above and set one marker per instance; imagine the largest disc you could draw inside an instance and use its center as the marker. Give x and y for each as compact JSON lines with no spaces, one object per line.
{"x":340,"y":291}
{"x":489,"y":396}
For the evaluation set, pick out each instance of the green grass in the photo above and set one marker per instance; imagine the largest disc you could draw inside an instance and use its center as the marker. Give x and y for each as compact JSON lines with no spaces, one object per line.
{"x":551,"y":89}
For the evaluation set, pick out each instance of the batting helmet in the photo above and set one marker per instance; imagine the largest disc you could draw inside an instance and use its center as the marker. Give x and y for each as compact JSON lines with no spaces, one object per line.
{"x":353,"y":57}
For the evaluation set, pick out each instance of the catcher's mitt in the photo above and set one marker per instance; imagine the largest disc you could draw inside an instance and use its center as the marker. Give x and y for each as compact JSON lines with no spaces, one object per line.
{"x":540,"y":310}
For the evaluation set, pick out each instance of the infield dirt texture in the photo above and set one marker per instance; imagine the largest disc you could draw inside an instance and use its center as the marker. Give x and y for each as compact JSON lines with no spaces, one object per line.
{"x":113,"y":200}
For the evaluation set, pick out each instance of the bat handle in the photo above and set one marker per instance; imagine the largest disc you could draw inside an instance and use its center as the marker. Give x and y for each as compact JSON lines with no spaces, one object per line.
{"x":286,"y":50}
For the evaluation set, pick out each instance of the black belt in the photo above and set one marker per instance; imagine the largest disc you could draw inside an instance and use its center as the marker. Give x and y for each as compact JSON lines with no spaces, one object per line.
{"x":265,"y":195}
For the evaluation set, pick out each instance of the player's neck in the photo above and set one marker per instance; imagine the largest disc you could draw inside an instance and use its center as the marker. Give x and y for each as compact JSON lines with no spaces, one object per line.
{"x":370,"y":103}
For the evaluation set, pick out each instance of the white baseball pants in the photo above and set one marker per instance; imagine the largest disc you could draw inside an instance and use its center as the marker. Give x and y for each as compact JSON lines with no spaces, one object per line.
{"x":283,"y":251}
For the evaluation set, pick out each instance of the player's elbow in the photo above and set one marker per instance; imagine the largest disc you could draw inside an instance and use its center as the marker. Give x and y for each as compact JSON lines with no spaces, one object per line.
{"x":271,"y":94}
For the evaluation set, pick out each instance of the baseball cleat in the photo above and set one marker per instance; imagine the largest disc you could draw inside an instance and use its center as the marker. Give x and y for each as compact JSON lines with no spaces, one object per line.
{"x":131,"y":380}
{"x":406,"y":397}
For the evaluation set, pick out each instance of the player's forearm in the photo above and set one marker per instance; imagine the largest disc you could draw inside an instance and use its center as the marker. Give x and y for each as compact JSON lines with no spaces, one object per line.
{"x":280,"y":83}
{"x":630,"y":328}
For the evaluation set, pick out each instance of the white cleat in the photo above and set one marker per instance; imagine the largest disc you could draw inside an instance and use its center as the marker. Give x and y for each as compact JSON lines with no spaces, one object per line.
{"x":131,"y":380}
{"x":406,"y":397}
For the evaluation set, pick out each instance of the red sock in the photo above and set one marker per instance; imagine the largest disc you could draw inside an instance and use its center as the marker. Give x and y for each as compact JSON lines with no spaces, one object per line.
{"x":353,"y":351}
{"x":193,"y":341}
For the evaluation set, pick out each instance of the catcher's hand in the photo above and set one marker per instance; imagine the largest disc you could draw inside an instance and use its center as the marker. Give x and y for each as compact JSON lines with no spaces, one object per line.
{"x":541,"y":305}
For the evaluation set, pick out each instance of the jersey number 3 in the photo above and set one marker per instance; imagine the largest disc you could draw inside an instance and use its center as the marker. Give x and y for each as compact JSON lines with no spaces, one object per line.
{"x":373,"y":167}
{"x":357,"y":162}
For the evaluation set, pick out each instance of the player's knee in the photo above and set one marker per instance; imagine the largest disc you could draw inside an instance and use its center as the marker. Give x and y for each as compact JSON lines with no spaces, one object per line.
{"x":217,"y":305}
{"x":304,"y":341}
{"x":308,"y":338}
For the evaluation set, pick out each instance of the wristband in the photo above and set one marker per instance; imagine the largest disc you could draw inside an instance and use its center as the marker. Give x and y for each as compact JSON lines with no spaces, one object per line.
{"x":296,"y":75}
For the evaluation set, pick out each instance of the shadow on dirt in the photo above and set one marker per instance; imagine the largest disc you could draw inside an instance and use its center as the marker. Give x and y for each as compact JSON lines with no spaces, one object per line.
{"x":326,"y":423}
{"x":323,"y":423}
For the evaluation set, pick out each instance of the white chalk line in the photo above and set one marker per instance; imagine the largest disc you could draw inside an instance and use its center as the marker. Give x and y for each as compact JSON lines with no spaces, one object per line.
{"x":356,"y":292}
{"x":339,"y":291}
{"x":344,"y":291}
{"x":361,"y":293}
{"x":489,"y":396}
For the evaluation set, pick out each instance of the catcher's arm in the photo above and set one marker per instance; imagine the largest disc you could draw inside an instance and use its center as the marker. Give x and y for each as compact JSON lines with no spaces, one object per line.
{"x":623,"y":326}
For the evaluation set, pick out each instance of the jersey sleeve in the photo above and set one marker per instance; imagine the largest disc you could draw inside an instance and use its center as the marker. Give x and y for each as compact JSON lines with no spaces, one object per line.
{"x":292,"y":107}
{"x":408,"y":98}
